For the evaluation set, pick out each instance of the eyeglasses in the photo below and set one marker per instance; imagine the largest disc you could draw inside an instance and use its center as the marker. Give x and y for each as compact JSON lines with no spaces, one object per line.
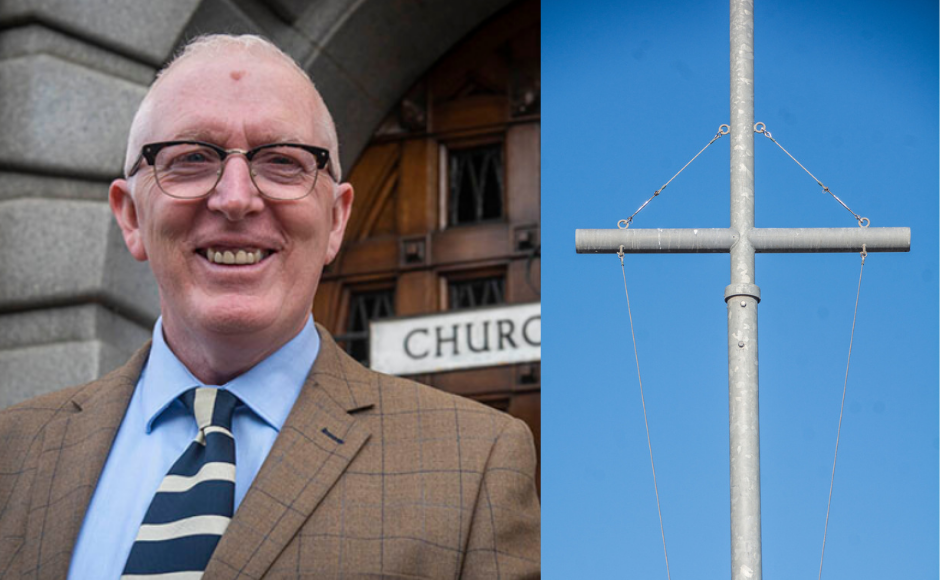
{"x":192,"y":169}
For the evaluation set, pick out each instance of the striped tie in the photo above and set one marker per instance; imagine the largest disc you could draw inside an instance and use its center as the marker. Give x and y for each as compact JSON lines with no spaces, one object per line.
{"x":194,"y":503}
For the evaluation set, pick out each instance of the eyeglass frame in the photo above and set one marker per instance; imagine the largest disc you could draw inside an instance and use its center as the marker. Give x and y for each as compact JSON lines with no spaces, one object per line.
{"x":149,"y":153}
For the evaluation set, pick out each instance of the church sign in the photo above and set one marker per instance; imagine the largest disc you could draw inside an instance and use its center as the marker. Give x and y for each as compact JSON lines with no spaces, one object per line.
{"x":450,"y":341}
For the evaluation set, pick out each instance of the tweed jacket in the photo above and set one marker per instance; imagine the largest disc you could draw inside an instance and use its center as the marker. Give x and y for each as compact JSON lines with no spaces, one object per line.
{"x":371,"y":476}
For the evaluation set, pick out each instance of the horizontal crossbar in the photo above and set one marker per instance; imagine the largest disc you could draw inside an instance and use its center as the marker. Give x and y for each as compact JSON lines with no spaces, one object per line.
{"x":763,"y":240}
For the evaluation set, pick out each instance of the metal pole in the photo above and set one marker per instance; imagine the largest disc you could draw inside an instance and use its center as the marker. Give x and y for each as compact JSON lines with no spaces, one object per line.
{"x":742,"y":296}
{"x":650,"y":241}
{"x":718,"y":240}
{"x":788,"y":240}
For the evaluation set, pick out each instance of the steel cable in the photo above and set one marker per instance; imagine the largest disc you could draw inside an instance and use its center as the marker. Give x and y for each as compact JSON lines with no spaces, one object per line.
{"x":722,"y":130}
{"x":841,"y":409}
{"x":862,"y":221}
{"x":649,"y":442}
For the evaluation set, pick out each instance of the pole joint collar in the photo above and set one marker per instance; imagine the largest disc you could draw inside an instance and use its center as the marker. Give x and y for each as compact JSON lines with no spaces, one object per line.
{"x":733,"y":290}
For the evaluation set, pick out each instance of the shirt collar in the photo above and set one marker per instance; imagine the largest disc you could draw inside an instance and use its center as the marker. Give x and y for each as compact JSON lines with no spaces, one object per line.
{"x":269,"y":388}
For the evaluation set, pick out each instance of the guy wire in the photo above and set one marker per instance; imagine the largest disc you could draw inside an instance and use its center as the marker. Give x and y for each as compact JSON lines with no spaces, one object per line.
{"x":645,"y":421}
{"x":841,"y":409}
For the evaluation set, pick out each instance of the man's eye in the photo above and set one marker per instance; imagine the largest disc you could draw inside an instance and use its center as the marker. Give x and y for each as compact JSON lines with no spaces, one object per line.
{"x":280,"y":161}
{"x":187,"y":158}
{"x":194,"y":157}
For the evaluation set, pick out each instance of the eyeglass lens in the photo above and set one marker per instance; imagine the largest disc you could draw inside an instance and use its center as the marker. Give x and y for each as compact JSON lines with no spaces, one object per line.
{"x":190,"y":171}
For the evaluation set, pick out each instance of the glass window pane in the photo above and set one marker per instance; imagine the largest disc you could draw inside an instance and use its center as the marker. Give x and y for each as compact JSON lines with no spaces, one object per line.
{"x":476,"y":292}
{"x":363,"y":307}
{"x":476,"y":184}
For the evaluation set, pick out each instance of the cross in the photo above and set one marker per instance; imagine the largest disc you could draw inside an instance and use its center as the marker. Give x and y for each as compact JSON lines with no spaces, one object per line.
{"x":742,"y":240}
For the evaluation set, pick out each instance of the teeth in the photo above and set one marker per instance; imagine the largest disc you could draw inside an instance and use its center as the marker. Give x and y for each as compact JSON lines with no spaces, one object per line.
{"x":237,"y":257}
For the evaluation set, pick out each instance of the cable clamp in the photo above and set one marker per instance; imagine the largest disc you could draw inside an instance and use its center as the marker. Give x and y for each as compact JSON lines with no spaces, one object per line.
{"x":864,"y":253}
{"x":620,"y":255}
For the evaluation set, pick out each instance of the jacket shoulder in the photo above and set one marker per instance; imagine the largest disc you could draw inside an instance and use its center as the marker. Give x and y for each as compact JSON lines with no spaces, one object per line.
{"x":401,"y":394}
{"x":357,"y":387}
{"x":31,"y":415}
{"x":20,"y":424}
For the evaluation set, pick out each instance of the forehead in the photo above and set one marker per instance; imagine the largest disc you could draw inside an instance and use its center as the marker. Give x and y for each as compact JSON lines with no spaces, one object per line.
{"x":236,"y":98}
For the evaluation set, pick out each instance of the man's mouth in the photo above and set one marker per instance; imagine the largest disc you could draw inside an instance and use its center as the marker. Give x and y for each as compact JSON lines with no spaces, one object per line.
{"x":234,"y":256}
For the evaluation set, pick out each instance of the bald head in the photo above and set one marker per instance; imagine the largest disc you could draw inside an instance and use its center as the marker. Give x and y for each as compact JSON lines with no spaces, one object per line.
{"x":207,"y":52}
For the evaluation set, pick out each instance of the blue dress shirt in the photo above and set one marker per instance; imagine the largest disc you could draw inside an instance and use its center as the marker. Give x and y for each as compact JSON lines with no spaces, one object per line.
{"x":157,"y":429}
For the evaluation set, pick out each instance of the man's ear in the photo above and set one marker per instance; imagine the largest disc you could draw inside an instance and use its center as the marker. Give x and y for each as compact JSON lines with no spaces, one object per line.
{"x":124,"y":209}
{"x":342,"y":204}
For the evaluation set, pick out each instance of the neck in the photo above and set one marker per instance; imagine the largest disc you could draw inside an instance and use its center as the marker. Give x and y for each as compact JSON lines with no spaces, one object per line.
{"x":217,"y":358}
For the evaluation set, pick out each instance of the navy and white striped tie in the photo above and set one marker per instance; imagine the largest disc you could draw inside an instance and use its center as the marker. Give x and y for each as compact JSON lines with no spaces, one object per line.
{"x":194,"y":503}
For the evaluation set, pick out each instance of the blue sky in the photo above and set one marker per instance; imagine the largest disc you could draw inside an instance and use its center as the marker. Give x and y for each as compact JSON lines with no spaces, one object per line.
{"x":632,"y":90}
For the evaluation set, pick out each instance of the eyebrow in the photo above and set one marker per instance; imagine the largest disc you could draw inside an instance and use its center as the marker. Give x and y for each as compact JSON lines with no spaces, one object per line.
{"x":217,"y":137}
{"x":202,"y":134}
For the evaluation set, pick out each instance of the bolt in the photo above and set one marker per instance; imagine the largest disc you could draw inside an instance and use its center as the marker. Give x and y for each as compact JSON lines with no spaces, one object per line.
{"x":743,"y":304}
{"x":741,"y":343}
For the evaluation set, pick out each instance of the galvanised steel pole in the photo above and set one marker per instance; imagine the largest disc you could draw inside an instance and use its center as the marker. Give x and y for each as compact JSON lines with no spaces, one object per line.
{"x":722,"y":240}
{"x":742,"y":296}
{"x":742,"y":240}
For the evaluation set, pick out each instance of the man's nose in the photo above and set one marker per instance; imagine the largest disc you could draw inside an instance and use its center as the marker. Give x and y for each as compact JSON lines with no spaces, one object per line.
{"x":235,"y":195}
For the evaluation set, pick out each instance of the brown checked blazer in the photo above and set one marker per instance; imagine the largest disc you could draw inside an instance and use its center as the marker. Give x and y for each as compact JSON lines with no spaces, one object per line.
{"x":371,"y":476}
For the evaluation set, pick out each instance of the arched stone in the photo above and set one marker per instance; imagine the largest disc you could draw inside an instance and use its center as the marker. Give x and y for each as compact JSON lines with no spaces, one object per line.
{"x":141,"y":29}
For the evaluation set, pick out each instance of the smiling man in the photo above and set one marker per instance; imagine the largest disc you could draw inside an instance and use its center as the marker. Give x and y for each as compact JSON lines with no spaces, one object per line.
{"x":243,"y":442}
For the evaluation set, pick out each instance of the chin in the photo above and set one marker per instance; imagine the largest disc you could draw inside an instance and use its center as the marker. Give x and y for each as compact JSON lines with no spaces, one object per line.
{"x":238,"y":317}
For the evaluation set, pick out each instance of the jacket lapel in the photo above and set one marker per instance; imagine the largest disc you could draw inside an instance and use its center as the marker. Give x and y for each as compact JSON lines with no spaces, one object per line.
{"x":318,"y":441}
{"x":75,"y":446}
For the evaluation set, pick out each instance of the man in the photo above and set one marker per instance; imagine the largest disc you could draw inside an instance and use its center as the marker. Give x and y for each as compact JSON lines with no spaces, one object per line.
{"x":233,"y":195}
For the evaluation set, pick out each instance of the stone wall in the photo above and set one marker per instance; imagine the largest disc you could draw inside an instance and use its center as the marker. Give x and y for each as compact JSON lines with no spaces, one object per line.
{"x":73,"y":303}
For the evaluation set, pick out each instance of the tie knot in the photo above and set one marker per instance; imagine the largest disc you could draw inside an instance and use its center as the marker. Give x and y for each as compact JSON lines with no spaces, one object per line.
{"x":211,"y":406}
